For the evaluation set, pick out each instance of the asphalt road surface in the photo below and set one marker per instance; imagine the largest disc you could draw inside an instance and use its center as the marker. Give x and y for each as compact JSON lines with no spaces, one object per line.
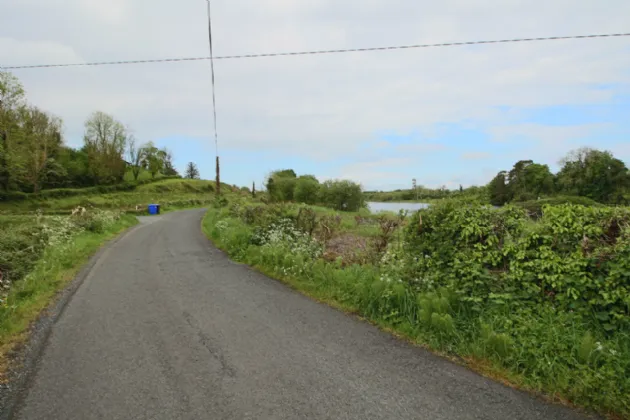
{"x":166,"y":327}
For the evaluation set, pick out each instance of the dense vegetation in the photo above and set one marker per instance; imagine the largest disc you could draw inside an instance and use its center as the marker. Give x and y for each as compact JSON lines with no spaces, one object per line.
{"x":285,"y":185}
{"x":589,"y":173}
{"x":587,"y":177}
{"x":33,"y":156}
{"x":424,"y":194}
{"x":542,"y":303}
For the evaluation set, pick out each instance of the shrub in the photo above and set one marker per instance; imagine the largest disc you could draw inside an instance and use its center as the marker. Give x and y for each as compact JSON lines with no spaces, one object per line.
{"x":575,"y":257}
{"x":342,"y":195}
{"x":534,"y":207}
{"x":22,"y":244}
{"x":306,"y":190}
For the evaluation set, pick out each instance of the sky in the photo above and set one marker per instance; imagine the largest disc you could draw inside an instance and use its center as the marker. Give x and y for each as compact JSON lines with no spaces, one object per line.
{"x":445,"y":116}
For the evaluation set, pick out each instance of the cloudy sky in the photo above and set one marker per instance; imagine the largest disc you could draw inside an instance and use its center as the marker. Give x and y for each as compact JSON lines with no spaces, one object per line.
{"x":442,"y":115}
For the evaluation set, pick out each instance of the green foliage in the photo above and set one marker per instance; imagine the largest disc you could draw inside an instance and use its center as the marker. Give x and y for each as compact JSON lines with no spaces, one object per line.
{"x":528,"y":180}
{"x":105,"y":141}
{"x":534,"y":207}
{"x":498,"y":190}
{"x":25,"y":238}
{"x":153,"y":159}
{"x":72,"y":192}
{"x":594,"y":174}
{"x":33,"y":156}
{"x":284,"y":186}
{"x":424,"y":194}
{"x":306,"y":189}
{"x":587,"y":348}
{"x":306,"y":220}
{"x":575,"y":257}
{"x":281,"y":185}
{"x":342,"y":195}
{"x":191,"y":171}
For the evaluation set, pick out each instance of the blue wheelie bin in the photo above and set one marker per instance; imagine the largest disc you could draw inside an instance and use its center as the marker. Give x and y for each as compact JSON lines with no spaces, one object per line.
{"x":154,"y":209}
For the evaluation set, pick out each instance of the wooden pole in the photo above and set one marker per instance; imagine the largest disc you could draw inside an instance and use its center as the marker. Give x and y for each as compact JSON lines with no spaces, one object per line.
{"x":218,"y":177}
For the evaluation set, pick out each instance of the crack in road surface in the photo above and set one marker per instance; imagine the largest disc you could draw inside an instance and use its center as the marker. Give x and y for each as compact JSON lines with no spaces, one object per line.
{"x":166,"y":327}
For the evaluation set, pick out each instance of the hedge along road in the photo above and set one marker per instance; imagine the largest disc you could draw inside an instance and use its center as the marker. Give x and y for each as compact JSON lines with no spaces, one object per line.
{"x":166,"y":327}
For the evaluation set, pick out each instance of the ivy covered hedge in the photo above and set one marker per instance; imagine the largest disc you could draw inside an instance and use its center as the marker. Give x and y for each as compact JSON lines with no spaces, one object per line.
{"x":575,"y":258}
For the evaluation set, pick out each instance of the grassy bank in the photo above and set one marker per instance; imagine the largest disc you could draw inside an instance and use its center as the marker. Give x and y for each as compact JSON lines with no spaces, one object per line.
{"x":38,"y":257}
{"x":170,"y":193}
{"x":527,"y":302}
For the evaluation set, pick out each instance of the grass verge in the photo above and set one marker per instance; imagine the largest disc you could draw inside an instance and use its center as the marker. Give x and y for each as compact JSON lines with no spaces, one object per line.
{"x":52,"y":272}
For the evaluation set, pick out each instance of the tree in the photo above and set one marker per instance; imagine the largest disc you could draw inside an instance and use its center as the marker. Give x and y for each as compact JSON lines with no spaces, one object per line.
{"x":342,"y":195}
{"x":538,"y":180}
{"x":153,"y":159}
{"x":76,"y":166}
{"x":306,"y":189}
{"x":41,"y":141}
{"x":136,"y":155}
{"x":253,"y":189}
{"x":595,"y":174}
{"x":105,"y":140}
{"x":498,"y":190}
{"x":528,"y":180}
{"x":169,"y":169}
{"x":191,"y":171}
{"x":281,"y":185}
{"x":12,"y":101}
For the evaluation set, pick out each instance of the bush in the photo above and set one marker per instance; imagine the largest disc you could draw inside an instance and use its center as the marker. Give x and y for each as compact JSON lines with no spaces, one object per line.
{"x":306,"y":190}
{"x":24,"y":240}
{"x":13,"y":196}
{"x":534,"y":207}
{"x":576,"y":258}
{"x":342,"y":195}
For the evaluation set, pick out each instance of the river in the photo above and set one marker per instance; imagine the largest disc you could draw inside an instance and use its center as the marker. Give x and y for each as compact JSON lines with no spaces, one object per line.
{"x":395,"y":207}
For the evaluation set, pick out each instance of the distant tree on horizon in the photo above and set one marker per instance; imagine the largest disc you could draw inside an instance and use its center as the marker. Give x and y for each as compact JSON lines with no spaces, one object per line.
{"x":191,"y":171}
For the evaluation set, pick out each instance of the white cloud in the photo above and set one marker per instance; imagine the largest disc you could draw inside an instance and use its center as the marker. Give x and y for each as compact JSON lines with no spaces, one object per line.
{"x":323,"y":107}
{"x":28,"y":52}
{"x":546,"y":134}
{"x":476,"y":155}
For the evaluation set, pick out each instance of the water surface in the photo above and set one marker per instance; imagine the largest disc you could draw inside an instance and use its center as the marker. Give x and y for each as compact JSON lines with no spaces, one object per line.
{"x":395,"y":207}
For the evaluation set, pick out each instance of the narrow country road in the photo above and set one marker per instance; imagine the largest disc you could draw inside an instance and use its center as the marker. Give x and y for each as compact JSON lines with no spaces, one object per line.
{"x":166,"y":327}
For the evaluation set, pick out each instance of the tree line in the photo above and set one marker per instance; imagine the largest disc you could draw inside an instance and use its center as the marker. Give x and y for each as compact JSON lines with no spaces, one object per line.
{"x":422,"y":193}
{"x":584,"y":172}
{"x":34,"y":156}
{"x":285,"y":185}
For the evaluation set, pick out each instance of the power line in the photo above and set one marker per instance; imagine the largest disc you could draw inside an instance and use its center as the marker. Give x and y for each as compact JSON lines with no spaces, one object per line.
{"x":296,"y":53}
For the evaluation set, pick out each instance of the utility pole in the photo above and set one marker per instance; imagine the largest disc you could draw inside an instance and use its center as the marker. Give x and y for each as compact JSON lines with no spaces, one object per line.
{"x":214,"y":103}
{"x":415,"y":189}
